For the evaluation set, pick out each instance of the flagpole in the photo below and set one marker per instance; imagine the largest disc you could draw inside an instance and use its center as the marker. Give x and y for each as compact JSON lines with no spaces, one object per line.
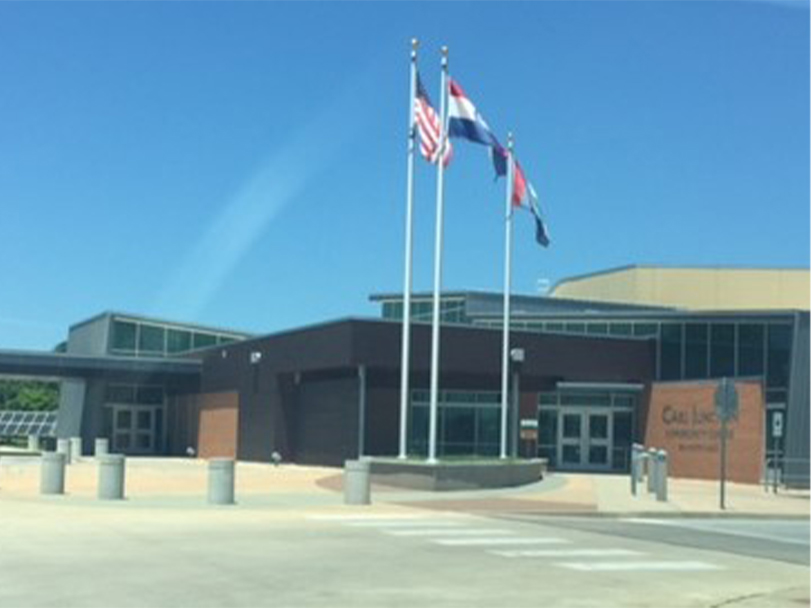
{"x":440,"y":191}
{"x":505,"y":352}
{"x":409,"y":239}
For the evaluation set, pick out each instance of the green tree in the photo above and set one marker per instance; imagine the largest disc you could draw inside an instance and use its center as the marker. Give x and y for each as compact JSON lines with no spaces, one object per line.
{"x":29,"y":395}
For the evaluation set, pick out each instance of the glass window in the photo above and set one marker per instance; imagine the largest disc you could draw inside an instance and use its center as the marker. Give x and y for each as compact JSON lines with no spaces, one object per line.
{"x":554,"y":327}
{"x":778,"y":357}
{"x":152,"y":395}
{"x":150,"y":339}
{"x":696,"y":363}
{"x":120,"y":393}
{"x":603,"y":399}
{"x":722,"y":350}
{"x":623,"y":437}
{"x":388,"y":312}
{"x":459,"y":430}
{"x":645,"y":329}
{"x":548,"y":427}
{"x":620,"y":329}
{"x":225,"y":339}
{"x":597,"y":328}
{"x":488,"y":427}
{"x":123,"y":335}
{"x":751,"y":340}
{"x":571,"y":426}
{"x":203,"y":340}
{"x":670,"y":351}
{"x":548,"y":399}
{"x":178,"y":341}
{"x":576,"y":328}
{"x":418,"y":427}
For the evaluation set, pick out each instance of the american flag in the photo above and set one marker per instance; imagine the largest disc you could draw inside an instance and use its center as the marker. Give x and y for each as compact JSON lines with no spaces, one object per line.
{"x":428,"y":126}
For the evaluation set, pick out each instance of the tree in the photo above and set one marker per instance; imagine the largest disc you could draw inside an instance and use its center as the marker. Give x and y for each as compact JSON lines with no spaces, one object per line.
{"x":29,"y":395}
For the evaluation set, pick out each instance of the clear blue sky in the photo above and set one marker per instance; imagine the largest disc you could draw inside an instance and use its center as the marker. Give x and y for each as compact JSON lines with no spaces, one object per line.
{"x":243,"y":165}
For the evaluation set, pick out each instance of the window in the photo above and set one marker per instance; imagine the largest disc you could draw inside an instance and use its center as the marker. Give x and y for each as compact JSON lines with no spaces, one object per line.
{"x":150,"y":339}
{"x":751,"y":339}
{"x":149,"y":395}
{"x":696,"y":363}
{"x":778,"y":356}
{"x":124,"y":335}
{"x":600,"y":329}
{"x":576,"y":328}
{"x":120,"y":393}
{"x":225,"y":339}
{"x":203,"y":340}
{"x":459,"y":430}
{"x":620,"y":329}
{"x":670,"y":351}
{"x":646,"y":329}
{"x":554,"y":327}
{"x":722,"y":350}
{"x":178,"y":341}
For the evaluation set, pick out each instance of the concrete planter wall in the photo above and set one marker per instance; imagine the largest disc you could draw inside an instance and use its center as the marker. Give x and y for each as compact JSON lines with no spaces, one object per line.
{"x":463,"y":475}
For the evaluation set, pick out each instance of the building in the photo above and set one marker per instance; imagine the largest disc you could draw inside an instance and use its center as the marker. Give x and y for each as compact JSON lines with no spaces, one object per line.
{"x":596,"y":377}
{"x":716,"y":288}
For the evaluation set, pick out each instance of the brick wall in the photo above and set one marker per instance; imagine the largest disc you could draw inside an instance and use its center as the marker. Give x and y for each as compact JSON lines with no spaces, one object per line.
{"x":681,"y":419}
{"x":217,"y":419}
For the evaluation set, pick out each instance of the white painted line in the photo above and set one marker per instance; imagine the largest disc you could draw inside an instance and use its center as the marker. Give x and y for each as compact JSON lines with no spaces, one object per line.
{"x":364,"y":517}
{"x":638,"y":566}
{"x":413,"y":523}
{"x":448,"y":532}
{"x":648,"y":521}
{"x":566,"y":552}
{"x":499,"y":540}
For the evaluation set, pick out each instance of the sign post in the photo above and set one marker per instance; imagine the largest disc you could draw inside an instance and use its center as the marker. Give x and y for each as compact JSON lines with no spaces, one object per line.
{"x":726,"y":408}
{"x":777,"y":433}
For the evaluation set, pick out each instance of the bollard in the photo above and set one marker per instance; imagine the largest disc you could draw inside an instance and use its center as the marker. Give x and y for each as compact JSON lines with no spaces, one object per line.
{"x":221,"y":481}
{"x":661,"y":476}
{"x":75,"y":449}
{"x":33,"y":443}
{"x":111,"y":477}
{"x":650,"y":456}
{"x":640,"y":469}
{"x":52,"y":473}
{"x":101,"y":447}
{"x":636,"y":466}
{"x":357,"y":489}
{"x":63,"y":447}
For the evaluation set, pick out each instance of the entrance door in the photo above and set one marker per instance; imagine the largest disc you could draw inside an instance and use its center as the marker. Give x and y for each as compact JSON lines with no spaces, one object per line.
{"x":134,"y":429}
{"x":585,"y":439}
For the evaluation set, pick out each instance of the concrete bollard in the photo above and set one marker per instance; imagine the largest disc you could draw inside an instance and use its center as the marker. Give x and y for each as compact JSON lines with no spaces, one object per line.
{"x":101,"y":447}
{"x":75,"y":449}
{"x":357,"y":488}
{"x":221,"y":481}
{"x":650,"y":456}
{"x":661,"y":476}
{"x":33,"y":443}
{"x":636,"y":467}
{"x":63,"y":447}
{"x":52,"y":473}
{"x":111,"y":477}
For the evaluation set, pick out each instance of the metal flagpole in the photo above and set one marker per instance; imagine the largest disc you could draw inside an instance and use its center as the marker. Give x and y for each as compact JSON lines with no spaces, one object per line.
{"x":432,"y":419}
{"x":409,"y":231}
{"x":505,"y":354}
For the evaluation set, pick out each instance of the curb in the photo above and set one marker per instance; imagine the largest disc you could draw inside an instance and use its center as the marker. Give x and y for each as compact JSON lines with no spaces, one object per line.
{"x":650,"y":515}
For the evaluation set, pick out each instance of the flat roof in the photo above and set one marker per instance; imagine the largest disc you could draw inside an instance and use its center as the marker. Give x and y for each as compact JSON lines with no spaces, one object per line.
{"x":145,"y":319}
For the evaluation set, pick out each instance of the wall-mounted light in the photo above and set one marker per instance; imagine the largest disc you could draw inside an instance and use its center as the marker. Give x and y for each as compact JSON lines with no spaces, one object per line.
{"x":256,"y":357}
{"x":517,"y":355}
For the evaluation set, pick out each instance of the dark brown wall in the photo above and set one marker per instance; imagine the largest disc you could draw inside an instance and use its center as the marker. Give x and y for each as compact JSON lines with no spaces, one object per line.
{"x":284,"y":404}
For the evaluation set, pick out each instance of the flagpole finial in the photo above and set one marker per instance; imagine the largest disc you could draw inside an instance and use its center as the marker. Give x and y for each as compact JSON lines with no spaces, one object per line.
{"x":414,"y":46}
{"x":510,"y":140}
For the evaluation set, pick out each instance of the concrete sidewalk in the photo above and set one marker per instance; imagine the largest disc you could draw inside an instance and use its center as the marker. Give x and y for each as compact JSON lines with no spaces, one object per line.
{"x":180,"y":483}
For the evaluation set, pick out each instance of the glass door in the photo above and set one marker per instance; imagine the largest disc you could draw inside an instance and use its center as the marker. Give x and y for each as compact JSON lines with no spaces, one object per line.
{"x":135,"y":429}
{"x":585,"y":439}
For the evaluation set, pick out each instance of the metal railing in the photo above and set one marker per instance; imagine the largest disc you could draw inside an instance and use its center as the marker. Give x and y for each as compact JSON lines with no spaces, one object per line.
{"x":781,"y":473}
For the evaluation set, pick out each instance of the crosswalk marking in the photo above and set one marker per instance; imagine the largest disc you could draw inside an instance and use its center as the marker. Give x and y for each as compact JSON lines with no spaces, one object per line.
{"x":637,"y":566}
{"x":448,"y":532}
{"x":499,"y":540}
{"x":392,"y":523}
{"x":565,"y":552}
{"x":341,"y":517}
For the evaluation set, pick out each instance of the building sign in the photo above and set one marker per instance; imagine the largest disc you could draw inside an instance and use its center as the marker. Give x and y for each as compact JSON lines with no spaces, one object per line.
{"x":682,"y":419}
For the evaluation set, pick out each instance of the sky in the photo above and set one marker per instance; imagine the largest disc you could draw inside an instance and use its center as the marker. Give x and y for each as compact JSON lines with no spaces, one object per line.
{"x":243,"y":165}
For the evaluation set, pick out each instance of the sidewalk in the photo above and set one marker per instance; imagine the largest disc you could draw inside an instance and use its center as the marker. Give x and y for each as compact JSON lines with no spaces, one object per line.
{"x":180,"y":483}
